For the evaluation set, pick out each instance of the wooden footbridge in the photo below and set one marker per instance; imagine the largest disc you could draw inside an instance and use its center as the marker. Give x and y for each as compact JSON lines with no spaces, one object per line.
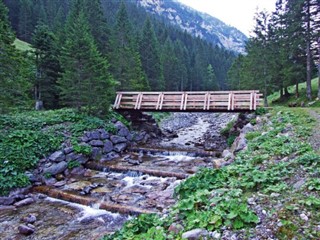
{"x":218,"y":101}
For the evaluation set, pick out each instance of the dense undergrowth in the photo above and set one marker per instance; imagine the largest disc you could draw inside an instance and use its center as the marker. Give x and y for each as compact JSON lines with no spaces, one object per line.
{"x":278,"y":156}
{"x":27,"y":137}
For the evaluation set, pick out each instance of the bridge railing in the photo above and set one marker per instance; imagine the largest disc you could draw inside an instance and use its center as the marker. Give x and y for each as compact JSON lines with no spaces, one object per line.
{"x":188,"y":101}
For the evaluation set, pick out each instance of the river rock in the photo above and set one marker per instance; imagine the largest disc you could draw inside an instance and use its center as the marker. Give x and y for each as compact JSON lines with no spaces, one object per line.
{"x":30,"y":218}
{"x":117,"y":139}
{"x":71,"y":156}
{"x":94,"y":135}
{"x":96,"y":143}
{"x":26,"y":230}
{"x":226,"y":154}
{"x":195,"y":234}
{"x":247,"y":128}
{"x":124,"y":132}
{"x":120,"y":147}
{"x":82,"y":159}
{"x":109,"y":156}
{"x":119,"y":125}
{"x":103,"y":134}
{"x":24,"y":202}
{"x":57,"y":156}
{"x":6,"y":200}
{"x":68,"y":150}
{"x":107,"y":147}
{"x":96,"y":153}
{"x":56,"y":168}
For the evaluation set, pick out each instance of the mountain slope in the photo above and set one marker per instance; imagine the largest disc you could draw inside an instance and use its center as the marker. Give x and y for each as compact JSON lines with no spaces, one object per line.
{"x":196,"y":23}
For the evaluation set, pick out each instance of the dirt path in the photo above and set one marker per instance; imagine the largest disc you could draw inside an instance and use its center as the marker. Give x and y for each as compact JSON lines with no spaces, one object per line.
{"x":315,"y":138}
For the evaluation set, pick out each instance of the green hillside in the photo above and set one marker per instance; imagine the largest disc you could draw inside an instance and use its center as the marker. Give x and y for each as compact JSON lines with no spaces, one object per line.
{"x":21,"y":45}
{"x":274,"y":99}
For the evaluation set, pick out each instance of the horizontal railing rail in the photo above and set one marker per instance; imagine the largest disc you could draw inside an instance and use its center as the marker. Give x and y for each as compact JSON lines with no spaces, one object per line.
{"x":189,"y":101}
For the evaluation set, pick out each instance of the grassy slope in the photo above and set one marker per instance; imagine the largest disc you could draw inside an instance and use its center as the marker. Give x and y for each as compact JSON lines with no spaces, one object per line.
{"x":274,"y":98}
{"x":29,"y":136}
{"x":22,"y":46}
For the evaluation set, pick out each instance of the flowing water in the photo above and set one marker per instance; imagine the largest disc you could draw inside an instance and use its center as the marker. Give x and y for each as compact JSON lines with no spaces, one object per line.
{"x":98,"y":202}
{"x":108,"y":194}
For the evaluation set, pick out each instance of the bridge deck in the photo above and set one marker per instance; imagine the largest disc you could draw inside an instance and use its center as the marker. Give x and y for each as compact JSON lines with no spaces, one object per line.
{"x":218,"y":101}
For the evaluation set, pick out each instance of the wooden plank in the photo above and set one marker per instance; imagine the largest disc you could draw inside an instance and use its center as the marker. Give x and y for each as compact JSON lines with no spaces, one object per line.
{"x":185,"y":101}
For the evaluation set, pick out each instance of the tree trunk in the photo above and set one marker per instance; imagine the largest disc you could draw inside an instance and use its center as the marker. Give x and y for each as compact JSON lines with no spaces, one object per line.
{"x":319,"y":68}
{"x":309,"y":58}
{"x":297,"y":88}
{"x":286,"y":92}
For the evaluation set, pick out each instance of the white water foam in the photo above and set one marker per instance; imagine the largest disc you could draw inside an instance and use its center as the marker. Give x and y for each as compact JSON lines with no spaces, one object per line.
{"x":86,"y":211}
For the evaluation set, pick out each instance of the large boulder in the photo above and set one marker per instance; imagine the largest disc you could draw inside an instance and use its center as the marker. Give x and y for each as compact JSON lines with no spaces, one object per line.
{"x":107,"y":147}
{"x":56,"y":168}
{"x":57,"y":156}
{"x":117,"y":139}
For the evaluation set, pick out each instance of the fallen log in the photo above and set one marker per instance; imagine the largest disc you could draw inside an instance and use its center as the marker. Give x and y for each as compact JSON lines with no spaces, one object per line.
{"x":105,"y":167}
{"x":88,"y":201}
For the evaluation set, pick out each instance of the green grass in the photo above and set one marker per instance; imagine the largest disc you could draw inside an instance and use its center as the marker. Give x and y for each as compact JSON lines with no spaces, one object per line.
{"x":28,"y":136}
{"x":274,"y":99}
{"x":22,"y":46}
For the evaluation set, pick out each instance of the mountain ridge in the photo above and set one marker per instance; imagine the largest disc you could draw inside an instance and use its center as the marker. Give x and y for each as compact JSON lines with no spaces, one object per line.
{"x":197,"y":23}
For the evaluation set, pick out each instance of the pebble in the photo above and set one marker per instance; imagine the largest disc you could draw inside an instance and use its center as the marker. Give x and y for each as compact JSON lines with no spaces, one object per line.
{"x":26,"y":229}
{"x":31,"y":218}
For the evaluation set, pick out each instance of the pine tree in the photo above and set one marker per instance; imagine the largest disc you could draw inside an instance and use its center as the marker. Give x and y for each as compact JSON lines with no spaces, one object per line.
{"x":210,"y":83}
{"x":15,"y":71}
{"x":86,"y":82}
{"x":48,"y":66}
{"x":150,"y":57}
{"x":127,"y":66}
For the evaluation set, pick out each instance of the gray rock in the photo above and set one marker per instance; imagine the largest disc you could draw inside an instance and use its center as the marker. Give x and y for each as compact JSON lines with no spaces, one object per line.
{"x":226,"y":154}
{"x":107,"y":147}
{"x":240,"y":143}
{"x":56,"y":168}
{"x":103,"y":134}
{"x":77,"y":170}
{"x":57,"y":156}
{"x":71,"y":156}
{"x":50,"y":181}
{"x":96,"y":153}
{"x":129,"y":137}
{"x":96,"y":143}
{"x":6,"y":201}
{"x":82,"y":159}
{"x":120,"y":147}
{"x":30,"y":218}
{"x":195,"y":234}
{"x":68,"y":150}
{"x":124,"y":132}
{"x":109,"y":156}
{"x":139,"y":137}
{"x":84,"y":139}
{"x":117,"y":139}
{"x":119,"y":125}
{"x":247,"y":128}
{"x":94,"y":135}
{"x":24,"y":202}
{"x":25,"y":230}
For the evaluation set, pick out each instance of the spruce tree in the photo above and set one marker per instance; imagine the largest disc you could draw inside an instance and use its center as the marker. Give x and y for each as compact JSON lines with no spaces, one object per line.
{"x":86,"y":83}
{"x":150,"y":57}
{"x":127,"y":66}
{"x":15,"y":69}
{"x":48,"y":68}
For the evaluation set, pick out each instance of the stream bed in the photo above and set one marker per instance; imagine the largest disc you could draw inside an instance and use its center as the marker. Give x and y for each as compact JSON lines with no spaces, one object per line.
{"x":107,"y":194}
